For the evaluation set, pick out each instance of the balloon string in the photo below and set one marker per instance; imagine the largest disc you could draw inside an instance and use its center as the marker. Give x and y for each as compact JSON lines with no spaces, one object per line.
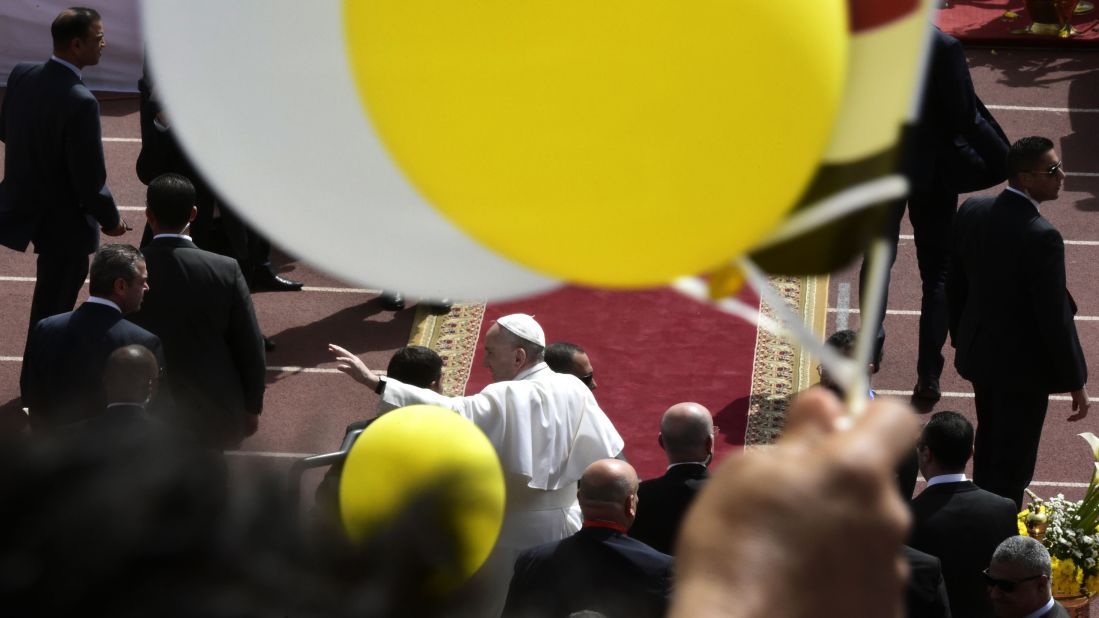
{"x":837,"y":206}
{"x":696,"y":288}
{"x":874,"y":293}
{"x":841,"y":369}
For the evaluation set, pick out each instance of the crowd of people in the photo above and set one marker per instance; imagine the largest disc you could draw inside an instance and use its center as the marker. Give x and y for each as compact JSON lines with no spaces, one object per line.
{"x":117,"y":501}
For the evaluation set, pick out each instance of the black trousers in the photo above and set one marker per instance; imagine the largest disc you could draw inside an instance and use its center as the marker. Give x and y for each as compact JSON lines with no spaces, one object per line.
{"x":1009,"y":429}
{"x":59,"y":278}
{"x":931,"y":215}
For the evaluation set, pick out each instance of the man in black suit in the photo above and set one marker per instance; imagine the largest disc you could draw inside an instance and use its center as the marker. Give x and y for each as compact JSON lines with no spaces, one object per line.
{"x":925,"y":592}
{"x":953,"y":519}
{"x":1011,"y":318}
{"x":62,"y":377}
{"x":956,"y":147}
{"x":200,"y":307}
{"x":687,"y":437}
{"x":599,"y":568}
{"x":54,"y":191}
{"x":1018,"y":580}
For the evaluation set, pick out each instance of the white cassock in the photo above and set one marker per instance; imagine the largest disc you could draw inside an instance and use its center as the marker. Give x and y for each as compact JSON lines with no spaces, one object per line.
{"x":547,"y":428}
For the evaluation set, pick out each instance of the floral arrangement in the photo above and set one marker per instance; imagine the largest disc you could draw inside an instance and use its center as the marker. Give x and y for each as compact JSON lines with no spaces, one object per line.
{"x":1070,"y":530}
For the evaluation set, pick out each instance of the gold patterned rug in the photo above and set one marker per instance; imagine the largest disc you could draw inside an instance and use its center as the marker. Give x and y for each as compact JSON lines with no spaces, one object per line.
{"x":454,"y":336}
{"x":781,"y":369}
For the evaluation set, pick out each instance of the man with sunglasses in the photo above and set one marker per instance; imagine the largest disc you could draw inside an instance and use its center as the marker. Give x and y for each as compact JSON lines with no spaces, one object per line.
{"x":1011,"y":318}
{"x":565,"y":357}
{"x":1018,"y":580}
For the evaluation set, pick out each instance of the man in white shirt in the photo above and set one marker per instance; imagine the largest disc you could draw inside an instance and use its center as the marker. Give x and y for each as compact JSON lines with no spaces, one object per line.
{"x":545,"y":426}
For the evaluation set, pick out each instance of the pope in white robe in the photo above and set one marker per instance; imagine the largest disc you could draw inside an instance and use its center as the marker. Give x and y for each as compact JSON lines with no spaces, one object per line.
{"x":545,"y":426}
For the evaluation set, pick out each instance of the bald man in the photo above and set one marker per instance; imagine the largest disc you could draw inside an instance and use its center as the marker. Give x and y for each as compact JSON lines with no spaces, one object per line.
{"x":599,"y":568}
{"x":687,"y":437}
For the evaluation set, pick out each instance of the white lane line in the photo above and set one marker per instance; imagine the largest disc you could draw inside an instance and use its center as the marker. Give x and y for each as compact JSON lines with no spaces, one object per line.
{"x":273,"y":454}
{"x":295,"y":369}
{"x":1062,"y":110}
{"x":126,"y":140}
{"x":11,"y":359}
{"x":961,"y":395}
{"x":844,"y":312}
{"x":843,"y":302}
{"x":1084,"y":174}
{"x":1080,"y":243}
{"x":308,"y":288}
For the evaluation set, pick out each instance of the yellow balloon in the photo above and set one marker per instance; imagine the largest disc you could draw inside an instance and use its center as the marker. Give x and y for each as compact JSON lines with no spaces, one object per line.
{"x":427,"y":452}
{"x":613,"y":143}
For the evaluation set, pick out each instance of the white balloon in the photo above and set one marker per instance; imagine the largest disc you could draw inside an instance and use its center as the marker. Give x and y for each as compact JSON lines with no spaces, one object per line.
{"x":261,"y":94}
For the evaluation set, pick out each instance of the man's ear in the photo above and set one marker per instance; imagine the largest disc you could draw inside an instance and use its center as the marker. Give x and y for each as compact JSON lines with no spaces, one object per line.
{"x":660,"y":441}
{"x":194,"y":213}
{"x":520,"y":357}
{"x":119,"y":286}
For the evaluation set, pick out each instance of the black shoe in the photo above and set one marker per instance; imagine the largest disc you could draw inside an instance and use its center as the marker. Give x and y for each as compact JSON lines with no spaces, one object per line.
{"x":392,"y":301}
{"x":927,"y":390}
{"x":438,"y":307}
{"x":268,"y":343}
{"x":266,"y":280}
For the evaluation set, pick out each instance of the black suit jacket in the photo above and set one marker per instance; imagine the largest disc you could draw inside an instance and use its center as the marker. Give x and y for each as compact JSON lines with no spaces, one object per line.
{"x":957,"y":145}
{"x":62,"y":377}
{"x":925,"y":594}
{"x":961,"y":525}
{"x":54,"y":191}
{"x":199,"y":305}
{"x":595,"y":569}
{"x":1011,"y":316}
{"x":662,"y":502}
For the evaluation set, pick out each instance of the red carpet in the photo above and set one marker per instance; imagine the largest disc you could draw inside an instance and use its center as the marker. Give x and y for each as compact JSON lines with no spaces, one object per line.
{"x":649,"y":350}
{"x":983,"y":22}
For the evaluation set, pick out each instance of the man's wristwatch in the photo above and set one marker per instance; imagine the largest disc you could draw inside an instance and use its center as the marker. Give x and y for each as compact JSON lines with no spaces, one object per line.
{"x":380,"y":388}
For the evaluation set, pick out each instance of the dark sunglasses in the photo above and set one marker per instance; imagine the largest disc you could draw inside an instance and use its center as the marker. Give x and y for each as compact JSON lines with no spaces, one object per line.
{"x":1007,"y":585}
{"x":588,"y":379}
{"x":1052,"y":171}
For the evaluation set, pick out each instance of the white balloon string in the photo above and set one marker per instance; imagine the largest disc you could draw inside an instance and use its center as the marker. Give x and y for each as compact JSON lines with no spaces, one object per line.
{"x":842,"y":370}
{"x":873,"y":294}
{"x":699,"y":290}
{"x":837,"y":206}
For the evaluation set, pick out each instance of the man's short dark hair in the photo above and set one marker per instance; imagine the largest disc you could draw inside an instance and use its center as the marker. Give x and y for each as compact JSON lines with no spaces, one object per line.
{"x":72,"y":23}
{"x":415,"y":365}
{"x":170,"y":198}
{"x":559,"y":355}
{"x":843,"y":341}
{"x":1026,"y":154}
{"x":112,"y":262}
{"x":949,"y":437}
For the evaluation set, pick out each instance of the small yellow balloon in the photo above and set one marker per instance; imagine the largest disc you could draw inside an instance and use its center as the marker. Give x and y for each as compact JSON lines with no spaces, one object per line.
{"x":426,"y":452}
{"x":655,"y":139}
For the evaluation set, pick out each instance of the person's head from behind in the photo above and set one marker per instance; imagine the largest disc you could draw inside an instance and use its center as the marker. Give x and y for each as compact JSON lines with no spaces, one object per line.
{"x":687,"y":433}
{"x":170,"y":203}
{"x":843,"y":342}
{"x":945,"y":445}
{"x":77,"y":34}
{"x":514,"y":343}
{"x":118,"y":274}
{"x":418,"y":366}
{"x":565,"y":357}
{"x":607,"y":491}
{"x":1034,"y":168}
{"x":131,"y":375}
{"x":1018,"y":578}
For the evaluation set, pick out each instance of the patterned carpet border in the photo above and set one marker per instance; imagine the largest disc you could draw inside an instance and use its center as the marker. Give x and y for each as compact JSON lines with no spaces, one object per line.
{"x":454,"y":336}
{"x":780,"y":368}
